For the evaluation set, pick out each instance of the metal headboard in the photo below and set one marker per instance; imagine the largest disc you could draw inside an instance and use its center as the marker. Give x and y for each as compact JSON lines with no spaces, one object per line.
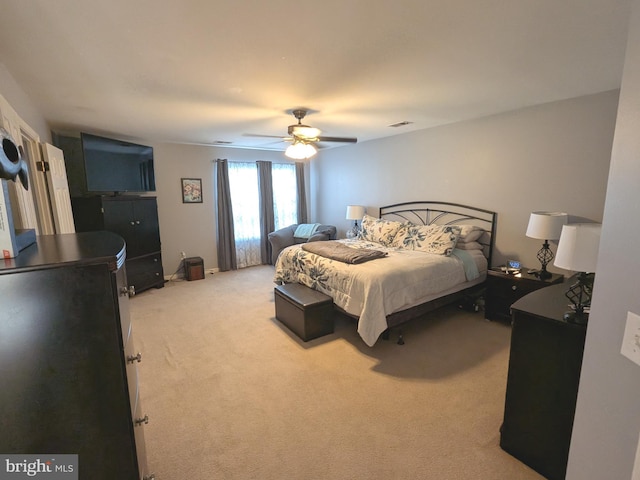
{"x":445,"y":213}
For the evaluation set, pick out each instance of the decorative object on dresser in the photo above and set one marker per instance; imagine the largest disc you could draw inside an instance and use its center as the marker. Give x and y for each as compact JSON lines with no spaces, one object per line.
{"x":12,"y":166}
{"x":136,"y":220}
{"x":355,"y":213}
{"x":505,"y":287}
{"x":545,"y":226}
{"x":578,"y":251}
{"x":67,"y":359}
{"x":542,"y":384}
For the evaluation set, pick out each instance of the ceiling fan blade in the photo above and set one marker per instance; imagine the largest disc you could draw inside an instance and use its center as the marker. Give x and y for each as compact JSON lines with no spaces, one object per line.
{"x":338,"y":139}
{"x":262,"y":136}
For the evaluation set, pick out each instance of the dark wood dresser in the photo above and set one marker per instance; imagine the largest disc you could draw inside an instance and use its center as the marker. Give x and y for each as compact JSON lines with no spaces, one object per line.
{"x":67,"y":363}
{"x":542,"y":383}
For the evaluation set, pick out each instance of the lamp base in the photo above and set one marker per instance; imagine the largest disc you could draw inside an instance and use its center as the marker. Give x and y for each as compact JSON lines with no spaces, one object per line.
{"x":543,"y":274}
{"x":580,"y":318}
{"x":545,"y":255}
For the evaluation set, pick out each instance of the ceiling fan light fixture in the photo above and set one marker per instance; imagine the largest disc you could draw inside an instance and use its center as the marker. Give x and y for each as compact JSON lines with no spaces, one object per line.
{"x":305,"y":131}
{"x":300,"y":150}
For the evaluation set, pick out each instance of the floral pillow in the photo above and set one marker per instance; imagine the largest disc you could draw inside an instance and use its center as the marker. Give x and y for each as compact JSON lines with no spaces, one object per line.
{"x":379,"y":230}
{"x":438,"y":239}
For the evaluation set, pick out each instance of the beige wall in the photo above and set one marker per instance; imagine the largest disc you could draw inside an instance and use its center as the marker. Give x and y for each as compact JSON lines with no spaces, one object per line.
{"x":607,"y":422}
{"x":22,"y":104}
{"x":548,"y":157}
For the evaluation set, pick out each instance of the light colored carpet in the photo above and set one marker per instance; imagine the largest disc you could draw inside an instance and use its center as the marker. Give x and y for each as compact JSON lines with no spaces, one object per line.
{"x":232,"y":394}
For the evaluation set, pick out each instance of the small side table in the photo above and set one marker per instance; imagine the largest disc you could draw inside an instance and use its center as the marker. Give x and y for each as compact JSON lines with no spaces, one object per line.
{"x":503,"y":289}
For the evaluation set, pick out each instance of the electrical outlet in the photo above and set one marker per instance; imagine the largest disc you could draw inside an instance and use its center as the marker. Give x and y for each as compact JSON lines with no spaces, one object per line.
{"x":631,"y":339}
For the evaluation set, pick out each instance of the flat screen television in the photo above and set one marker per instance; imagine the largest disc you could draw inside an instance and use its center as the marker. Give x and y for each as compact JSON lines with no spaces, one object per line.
{"x":116,"y":166}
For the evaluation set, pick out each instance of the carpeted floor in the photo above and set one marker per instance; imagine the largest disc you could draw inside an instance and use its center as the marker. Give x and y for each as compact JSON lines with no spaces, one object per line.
{"x":232,"y":394}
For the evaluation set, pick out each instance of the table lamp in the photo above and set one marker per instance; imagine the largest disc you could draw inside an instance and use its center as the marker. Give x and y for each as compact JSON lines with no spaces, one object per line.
{"x":545,"y":226}
{"x":355,"y":213}
{"x":578,"y":252}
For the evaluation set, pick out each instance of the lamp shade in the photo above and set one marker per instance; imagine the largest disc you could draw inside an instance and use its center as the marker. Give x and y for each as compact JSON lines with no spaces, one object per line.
{"x":546,"y":225}
{"x":300,"y":151}
{"x":355,"y":212}
{"x":578,"y":247}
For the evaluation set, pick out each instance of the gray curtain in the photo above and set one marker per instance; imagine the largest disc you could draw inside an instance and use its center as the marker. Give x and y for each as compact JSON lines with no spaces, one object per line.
{"x":224,"y":214}
{"x":302,"y":194}
{"x":267,"y":222}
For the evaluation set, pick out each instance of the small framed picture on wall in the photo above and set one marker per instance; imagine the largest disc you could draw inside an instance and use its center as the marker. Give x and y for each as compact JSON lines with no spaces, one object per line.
{"x":191,"y":190}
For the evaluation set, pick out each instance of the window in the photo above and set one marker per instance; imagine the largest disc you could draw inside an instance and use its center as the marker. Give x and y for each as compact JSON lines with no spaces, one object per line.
{"x":245,"y":201}
{"x":285,"y":196}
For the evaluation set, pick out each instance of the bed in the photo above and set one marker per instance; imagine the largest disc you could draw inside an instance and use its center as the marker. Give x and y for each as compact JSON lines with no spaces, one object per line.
{"x":431,"y":254}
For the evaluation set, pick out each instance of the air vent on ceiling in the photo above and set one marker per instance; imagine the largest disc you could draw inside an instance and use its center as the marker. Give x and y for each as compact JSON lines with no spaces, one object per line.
{"x":400,"y":124}
{"x":222,"y":142}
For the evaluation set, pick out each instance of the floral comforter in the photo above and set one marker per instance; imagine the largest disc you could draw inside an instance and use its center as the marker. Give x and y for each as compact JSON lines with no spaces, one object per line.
{"x":375,"y":289}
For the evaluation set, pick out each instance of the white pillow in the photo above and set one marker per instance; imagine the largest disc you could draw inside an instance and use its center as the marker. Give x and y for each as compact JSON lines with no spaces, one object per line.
{"x":468,"y":245}
{"x":469,"y":233}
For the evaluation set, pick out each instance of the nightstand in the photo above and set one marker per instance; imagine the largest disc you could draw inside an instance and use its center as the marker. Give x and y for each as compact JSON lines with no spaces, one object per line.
{"x":503,"y":289}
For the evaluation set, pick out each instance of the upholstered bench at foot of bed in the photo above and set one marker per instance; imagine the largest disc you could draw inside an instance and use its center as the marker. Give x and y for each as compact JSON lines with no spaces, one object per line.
{"x":306,"y":312}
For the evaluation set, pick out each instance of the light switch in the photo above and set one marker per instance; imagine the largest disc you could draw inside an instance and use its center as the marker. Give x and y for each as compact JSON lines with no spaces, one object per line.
{"x":631,"y":339}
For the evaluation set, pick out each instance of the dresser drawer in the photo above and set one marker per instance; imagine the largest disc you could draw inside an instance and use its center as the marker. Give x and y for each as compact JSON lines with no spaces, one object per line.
{"x":145,"y":272}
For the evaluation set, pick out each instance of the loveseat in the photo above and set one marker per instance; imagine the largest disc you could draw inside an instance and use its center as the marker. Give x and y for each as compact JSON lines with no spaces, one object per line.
{"x":280,"y":239}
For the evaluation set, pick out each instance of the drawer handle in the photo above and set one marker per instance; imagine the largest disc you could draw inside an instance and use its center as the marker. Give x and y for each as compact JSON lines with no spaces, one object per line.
{"x":514,"y":288}
{"x":140,"y":421}
{"x":134,"y":358}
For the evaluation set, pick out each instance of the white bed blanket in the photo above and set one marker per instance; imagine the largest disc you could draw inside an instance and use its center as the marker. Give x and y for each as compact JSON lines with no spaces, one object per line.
{"x":375,"y":289}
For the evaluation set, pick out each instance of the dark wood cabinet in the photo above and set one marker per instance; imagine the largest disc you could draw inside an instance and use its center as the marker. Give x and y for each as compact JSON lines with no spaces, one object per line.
{"x":67,"y":360}
{"x":542,"y":383}
{"x":135,"y":218}
{"x":503,"y":289}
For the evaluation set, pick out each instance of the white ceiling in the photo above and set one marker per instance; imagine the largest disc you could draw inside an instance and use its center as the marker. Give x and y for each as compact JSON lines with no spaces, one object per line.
{"x":192,"y":71}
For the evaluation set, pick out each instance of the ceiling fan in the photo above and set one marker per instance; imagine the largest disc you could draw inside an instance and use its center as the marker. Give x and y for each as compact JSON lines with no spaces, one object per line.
{"x":304,"y":138}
